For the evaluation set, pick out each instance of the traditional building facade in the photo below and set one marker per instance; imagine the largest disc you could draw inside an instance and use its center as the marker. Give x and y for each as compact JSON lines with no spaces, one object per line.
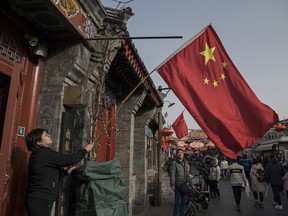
{"x":60,"y":71}
{"x":275,"y":142}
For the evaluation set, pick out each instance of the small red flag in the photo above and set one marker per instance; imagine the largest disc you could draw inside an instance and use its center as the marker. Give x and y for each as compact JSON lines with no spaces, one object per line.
{"x":205,"y":80}
{"x":180,"y":127}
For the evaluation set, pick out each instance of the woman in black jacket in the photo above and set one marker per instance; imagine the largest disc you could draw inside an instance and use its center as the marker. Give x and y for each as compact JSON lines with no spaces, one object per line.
{"x":274,"y":173}
{"x":44,"y":170}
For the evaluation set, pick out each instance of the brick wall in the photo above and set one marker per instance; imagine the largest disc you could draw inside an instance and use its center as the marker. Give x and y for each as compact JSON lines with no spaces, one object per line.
{"x":131,"y":148}
{"x":140,"y":156}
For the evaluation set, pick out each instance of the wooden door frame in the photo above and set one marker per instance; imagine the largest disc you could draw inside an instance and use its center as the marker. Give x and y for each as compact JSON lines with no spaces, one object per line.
{"x":9,"y":130}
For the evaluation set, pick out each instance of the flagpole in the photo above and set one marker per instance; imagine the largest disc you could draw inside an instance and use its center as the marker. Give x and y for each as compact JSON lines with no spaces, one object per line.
{"x":133,"y":90}
{"x":182,"y":47}
{"x":134,"y":38}
{"x":124,"y":101}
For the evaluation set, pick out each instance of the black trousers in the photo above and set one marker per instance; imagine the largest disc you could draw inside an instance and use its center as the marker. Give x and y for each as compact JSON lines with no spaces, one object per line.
{"x":276,"y":192}
{"x":214,"y":188}
{"x":237,"y":190}
{"x":38,"y":207}
{"x":255,"y":194}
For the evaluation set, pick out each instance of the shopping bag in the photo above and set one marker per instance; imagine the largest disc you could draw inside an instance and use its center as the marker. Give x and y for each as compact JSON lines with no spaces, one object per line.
{"x":248,"y":193}
{"x":266,"y":190}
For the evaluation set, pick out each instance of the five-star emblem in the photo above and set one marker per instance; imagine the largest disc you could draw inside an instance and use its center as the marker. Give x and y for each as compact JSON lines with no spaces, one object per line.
{"x":208,"y":53}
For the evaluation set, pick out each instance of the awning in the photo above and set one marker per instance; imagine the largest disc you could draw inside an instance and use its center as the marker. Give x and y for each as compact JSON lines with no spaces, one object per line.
{"x":283,"y":139}
{"x":266,"y":147}
{"x":196,"y":144}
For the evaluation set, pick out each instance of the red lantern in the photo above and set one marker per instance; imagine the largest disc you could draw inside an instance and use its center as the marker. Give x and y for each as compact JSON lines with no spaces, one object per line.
{"x":166,"y":132}
{"x":280,"y":128}
{"x":174,"y":147}
{"x":170,"y":140}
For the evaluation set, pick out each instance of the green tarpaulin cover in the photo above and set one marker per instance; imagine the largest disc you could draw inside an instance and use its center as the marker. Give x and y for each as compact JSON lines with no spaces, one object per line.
{"x":100,"y":189}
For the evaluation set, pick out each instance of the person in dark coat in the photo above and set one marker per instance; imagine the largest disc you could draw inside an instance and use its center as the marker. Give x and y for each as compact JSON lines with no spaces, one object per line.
{"x":246,"y":163}
{"x":179,"y":174}
{"x":274,"y":174}
{"x":205,"y":170}
{"x":44,"y":171}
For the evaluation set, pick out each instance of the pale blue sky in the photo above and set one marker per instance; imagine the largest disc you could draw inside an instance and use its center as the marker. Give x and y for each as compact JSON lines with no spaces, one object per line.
{"x":253,"y":32}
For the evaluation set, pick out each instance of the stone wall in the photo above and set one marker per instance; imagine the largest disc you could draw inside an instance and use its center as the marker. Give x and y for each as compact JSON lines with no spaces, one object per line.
{"x":59,"y":63}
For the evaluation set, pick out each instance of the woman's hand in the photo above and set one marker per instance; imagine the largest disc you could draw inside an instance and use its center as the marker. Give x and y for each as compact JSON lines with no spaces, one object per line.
{"x":70,"y":170}
{"x":89,"y":147}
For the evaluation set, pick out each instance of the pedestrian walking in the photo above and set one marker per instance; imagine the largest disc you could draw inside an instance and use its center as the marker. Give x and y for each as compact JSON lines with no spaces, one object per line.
{"x":224,"y":166}
{"x":214,"y":178}
{"x":236,"y":174}
{"x":205,"y":170}
{"x":258,"y":183}
{"x":44,"y":171}
{"x":179,"y":175}
{"x":274,"y":174}
{"x":246,"y":163}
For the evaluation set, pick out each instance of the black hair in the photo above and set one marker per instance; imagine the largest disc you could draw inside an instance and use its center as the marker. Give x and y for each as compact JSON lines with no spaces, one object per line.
{"x":272,"y":155}
{"x":255,"y":160}
{"x":33,"y":137}
{"x":179,"y":150}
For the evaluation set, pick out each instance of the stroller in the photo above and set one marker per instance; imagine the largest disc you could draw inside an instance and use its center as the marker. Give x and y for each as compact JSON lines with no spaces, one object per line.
{"x":196,"y":197}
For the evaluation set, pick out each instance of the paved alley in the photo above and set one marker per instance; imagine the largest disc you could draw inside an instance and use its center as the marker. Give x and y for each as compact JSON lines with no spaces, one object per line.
{"x":224,"y":207}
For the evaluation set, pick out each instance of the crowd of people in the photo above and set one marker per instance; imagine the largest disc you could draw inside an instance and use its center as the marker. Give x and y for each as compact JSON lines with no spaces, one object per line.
{"x":254,"y":174}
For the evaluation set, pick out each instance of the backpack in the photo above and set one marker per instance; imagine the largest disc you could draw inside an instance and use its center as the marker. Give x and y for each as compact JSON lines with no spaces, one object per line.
{"x":246,"y":165}
{"x":260,"y":175}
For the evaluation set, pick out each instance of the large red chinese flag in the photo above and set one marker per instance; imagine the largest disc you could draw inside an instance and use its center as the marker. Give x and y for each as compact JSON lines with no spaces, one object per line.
{"x":205,"y":80}
{"x":180,"y":127}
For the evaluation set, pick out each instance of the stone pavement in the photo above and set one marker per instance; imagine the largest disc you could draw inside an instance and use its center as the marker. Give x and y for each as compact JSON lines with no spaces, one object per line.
{"x":224,"y":207}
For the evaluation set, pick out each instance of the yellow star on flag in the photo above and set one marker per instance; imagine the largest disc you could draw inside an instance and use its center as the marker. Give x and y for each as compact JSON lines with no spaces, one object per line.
{"x":223,"y":77}
{"x":208,"y":53}
{"x":206,"y":81}
{"x":215,"y":83}
{"x":224,"y":64}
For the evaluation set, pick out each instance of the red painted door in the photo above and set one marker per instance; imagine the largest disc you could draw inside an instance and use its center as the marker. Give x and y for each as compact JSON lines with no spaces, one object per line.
{"x":106,"y":133}
{"x":10,"y":90}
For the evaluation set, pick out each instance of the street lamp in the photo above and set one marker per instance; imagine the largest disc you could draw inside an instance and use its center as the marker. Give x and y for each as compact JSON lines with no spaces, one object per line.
{"x":170,"y":104}
{"x":160,"y":89}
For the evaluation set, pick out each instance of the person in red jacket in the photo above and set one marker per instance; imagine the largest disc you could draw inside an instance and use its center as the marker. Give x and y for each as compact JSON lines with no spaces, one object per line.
{"x":44,"y":171}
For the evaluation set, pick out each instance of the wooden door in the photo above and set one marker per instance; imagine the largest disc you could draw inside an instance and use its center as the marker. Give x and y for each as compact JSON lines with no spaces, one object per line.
{"x":106,"y":131}
{"x":10,"y":73}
